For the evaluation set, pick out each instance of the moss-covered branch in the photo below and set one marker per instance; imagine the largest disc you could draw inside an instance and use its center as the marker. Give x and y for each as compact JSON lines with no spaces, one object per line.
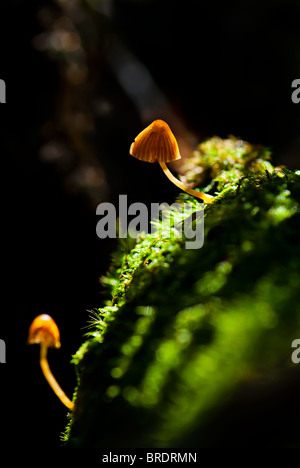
{"x":189,"y":340}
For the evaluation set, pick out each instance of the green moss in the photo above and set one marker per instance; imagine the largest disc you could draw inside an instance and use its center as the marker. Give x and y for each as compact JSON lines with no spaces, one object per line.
{"x":183,"y":331}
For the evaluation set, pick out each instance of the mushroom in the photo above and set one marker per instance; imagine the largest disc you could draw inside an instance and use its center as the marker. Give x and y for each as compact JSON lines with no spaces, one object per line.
{"x":157,"y":142}
{"x":45,"y":332}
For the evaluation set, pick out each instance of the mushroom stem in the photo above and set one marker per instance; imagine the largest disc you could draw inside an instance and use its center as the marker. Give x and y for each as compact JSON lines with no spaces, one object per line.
{"x":51,"y":379}
{"x":207,"y":198}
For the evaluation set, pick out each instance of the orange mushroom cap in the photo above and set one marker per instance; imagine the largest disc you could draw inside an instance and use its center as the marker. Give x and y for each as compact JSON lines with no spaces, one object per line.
{"x":44,"y":330}
{"x":155,"y":142}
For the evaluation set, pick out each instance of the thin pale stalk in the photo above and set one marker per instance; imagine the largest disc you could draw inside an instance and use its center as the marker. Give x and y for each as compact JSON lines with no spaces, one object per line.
{"x":51,"y":379}
{"x":205,"y":197}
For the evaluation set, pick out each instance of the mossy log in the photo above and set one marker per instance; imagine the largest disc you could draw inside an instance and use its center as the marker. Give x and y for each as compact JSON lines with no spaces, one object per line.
{"x":192,"y":348}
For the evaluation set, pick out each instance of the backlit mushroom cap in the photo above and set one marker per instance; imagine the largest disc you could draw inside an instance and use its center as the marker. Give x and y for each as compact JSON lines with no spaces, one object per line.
{"x":44,"y":330}
{"x":156,"y":142}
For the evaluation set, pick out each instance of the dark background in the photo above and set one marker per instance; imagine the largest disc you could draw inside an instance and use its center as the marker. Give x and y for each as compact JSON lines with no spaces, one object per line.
{"x":65,"y":133}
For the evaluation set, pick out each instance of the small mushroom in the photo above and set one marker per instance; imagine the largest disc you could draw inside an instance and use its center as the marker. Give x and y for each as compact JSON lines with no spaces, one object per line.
{"x":45,"y":332}
{"x":157,"y":142}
